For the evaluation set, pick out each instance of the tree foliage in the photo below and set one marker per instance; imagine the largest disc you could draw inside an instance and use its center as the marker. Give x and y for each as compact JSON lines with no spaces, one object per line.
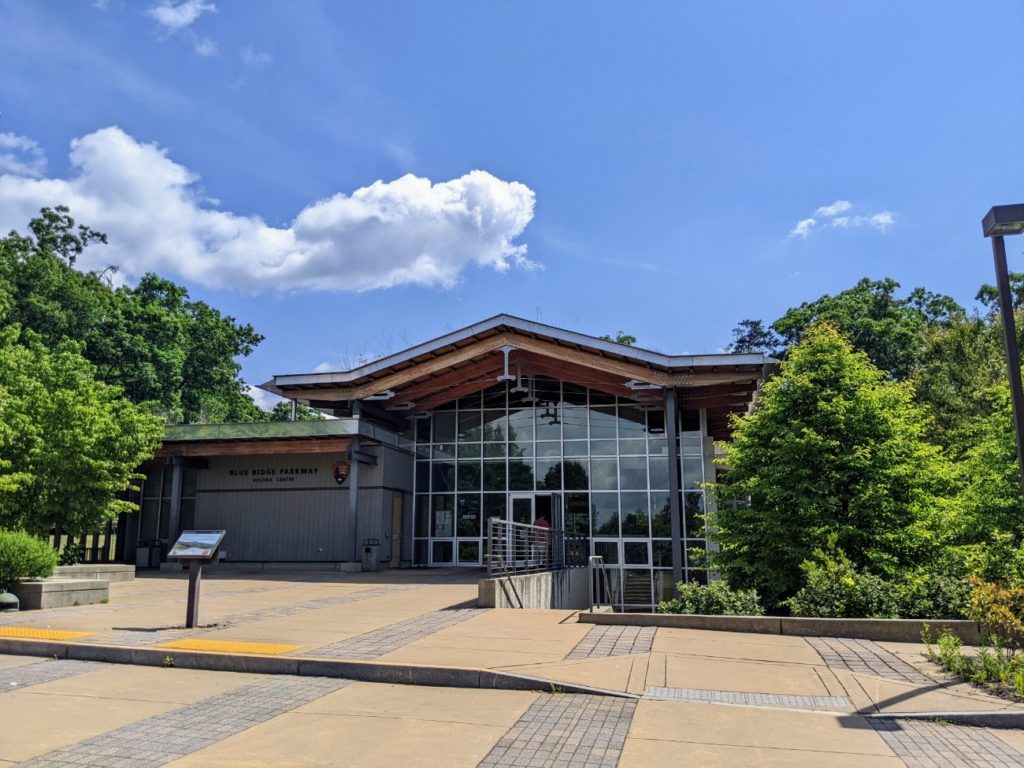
{"x":620,"y":338}
{"x":833,"y":451}
{"x":70,"y":445}
{"x":161,"y":347}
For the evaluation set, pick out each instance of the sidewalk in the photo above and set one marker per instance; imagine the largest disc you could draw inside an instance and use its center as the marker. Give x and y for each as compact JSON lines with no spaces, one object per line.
{"x":721,"y":698}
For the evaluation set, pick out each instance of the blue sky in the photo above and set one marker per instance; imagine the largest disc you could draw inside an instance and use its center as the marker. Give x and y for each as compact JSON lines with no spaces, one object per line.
{"x":653,"y":158}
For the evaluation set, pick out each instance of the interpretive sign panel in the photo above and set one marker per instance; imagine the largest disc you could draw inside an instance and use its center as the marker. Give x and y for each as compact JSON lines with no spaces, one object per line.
{"x":199,"y":545}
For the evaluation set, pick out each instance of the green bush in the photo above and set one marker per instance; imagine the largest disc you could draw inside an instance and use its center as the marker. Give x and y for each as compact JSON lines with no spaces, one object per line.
{"x":834,"y":589}
{"x":995,"y":667}
{"x":23,"y":557}
{"x":715,"y":599}
{"x":926,"y":595}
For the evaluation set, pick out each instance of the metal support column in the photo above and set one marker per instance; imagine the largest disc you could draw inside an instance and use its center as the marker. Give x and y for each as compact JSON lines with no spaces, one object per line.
{"x":674,"y":483}
{"x":1012,"y":349}
{"x":174,"y":511}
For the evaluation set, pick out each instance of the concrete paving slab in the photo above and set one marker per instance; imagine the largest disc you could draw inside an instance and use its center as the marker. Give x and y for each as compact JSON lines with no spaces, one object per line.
{"x":644,"y":753}
{"x":739,"y":675}
{"x":352,"y":741}
{"x":755,"y":727}
{"x":445,"y":705}
{"x":612,"y":673}
{"x":672,"y":641}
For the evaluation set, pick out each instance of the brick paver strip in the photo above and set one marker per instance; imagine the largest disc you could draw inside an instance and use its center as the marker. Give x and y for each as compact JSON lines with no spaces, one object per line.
{"x":15,"y":678}
{"x":371,"y":645}
{"x":163,"y":738}
{"x":750,"y":699}
{"x":603,"y":641}
{"x":921,"y":744}
{"x":565,"y":730}
{"x":866,"y":657}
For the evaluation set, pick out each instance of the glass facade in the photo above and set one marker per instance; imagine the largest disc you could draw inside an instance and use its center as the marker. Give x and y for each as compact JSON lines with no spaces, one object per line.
{"x":594,"y":463}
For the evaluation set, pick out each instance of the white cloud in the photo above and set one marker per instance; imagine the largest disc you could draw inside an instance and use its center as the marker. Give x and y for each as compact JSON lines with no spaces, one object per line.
{"x":803,"y":228}
{"x":21,"y":155}
{"x":839,"y":206}
{"x":204,"y":46}
{"x":255,"y":58}
{"x":406,"y":231}
{"x":175,"y":17}
{"x":264,"y":400}
{"x":828,"y":215}
{"x":325,"y":367}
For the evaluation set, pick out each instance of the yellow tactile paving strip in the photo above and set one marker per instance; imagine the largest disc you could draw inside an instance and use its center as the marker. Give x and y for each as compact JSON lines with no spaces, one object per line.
{"x":42,"y":634}
{"x":228,"y":646}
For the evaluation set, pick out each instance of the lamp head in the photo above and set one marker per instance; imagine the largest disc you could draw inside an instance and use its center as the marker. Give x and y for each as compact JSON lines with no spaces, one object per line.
{"x":1004,"y":220}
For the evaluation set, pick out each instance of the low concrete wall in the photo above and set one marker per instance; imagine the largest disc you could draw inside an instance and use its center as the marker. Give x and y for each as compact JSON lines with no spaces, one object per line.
{"x":107,"y":571}
{"x":895,"y":630}
{"x":547,"y":589}
{"x":60,"y":593}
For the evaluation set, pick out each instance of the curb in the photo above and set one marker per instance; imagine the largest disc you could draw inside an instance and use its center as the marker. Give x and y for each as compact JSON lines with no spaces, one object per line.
{"x":981,"y":719}
{"x":362,"y":671}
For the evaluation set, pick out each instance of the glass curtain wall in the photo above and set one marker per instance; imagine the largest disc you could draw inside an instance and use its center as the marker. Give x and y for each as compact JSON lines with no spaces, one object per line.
{"x":605,"y":457}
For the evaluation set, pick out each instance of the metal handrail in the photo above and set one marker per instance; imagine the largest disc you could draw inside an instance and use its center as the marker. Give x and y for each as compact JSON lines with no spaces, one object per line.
{"x":526,"y":548}
{"x":507,"y":579}
{"x":595,"y":566}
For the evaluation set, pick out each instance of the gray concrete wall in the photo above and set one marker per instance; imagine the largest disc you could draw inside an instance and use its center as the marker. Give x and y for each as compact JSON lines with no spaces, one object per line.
{"x":548,"y":589}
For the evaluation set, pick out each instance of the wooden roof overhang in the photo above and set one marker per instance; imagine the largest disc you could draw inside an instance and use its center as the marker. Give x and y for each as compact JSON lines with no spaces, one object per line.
{"x":459,"y":364}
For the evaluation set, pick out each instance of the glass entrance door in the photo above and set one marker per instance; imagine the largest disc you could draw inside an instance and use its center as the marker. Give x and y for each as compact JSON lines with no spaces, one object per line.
{"x":521,"y":508}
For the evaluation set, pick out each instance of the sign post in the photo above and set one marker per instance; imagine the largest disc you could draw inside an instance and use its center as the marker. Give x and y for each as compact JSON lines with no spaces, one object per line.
{"x":197,"y":548}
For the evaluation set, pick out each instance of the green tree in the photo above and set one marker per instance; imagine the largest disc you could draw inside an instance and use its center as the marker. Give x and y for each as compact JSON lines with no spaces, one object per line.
{"x":70,"y":445}
{"x":832,"y":449}
{"x":282,"y":411}
{"x":753,"y":336}
{"x":886,"y":327}
{"x":177,"y":355}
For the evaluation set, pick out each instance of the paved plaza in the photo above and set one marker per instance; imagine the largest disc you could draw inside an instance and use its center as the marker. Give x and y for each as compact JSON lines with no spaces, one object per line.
{"x":664,"y":697}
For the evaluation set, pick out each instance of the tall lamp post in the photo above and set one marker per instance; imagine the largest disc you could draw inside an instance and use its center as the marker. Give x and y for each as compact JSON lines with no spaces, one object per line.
{"x":999,"y":221}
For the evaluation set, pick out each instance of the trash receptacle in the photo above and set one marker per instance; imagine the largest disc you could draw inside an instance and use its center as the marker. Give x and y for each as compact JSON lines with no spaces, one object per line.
{"x":142,"y":555}
{"x":370,"y":550}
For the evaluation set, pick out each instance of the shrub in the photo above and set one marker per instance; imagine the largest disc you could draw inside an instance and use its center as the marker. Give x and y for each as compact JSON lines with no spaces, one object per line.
{"x":23,"y":557}
{"x":927,"y":595}
{"x":834,"y":589}
{"x":715,"y":599}
{"x":999,"y":608}
{"x":995,"y":667}
{"x":72,"y":554}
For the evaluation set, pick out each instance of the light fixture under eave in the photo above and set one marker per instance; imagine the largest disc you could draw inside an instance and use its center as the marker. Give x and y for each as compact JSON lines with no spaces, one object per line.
{"x":506,"y":376}
{"x":519,"y":388}
{"x":387,"y":394}
{"x":638,"y":386}
{"x":401,"y":407}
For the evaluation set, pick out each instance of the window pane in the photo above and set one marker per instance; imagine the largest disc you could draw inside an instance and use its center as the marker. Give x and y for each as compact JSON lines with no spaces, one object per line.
{"x":494,"y":397}
{"x":422,"y":476}
{"x":662,"y":553}
{"x":664,"y":589}
{"x":495,"y":427}
{"x":495,"y":505}
{"x":635,"y":515}
{"x":691,"y":443}
{"x":494,"y":450}
{"x":548,"y":449}
{"x":609,"y":550}
{"x":520,"y":450}
{"x":549,"y":424}
{"x":422,"y":521}
{"x":470,"y":402}
{"x":547,"y":390}
{"x":420,"y":550}
{"x":520,"y":474}
{"x":423,"y":430}
{"x":549,"y":475}
{"x":443,"y":515}
{"x":469,"y":450}
{"x":692,"y":475}
{"x":165,"y":518}
{"x":444,"y":451}
{"x":655,"y":422}
{"x":602,"y":423}
{"x":633,"y":473}
{"x":635,"y":553}
{"x":659,"y":473}
{"x":469,"y":551}
{"x":575,"y":448}
{"x":577,"y":513}
{"x":604,"y":447}
{"x":469,"y":475}
{"x":576,"y":476}
{"x":658,"y":446}
{"x":633,"y":447}
{"x":573,"y":394}
{"x":442,"y":552}
{"x":604,"y":514}
{"x":632,"y":422}
{"x":574,"y":423}
{"x":693,"y":508}
{"x":689,"y":421}
{"x":520,"y":424}
{"x":494,"y":475}
{"x":604,"y":475}
{"x":443,"y":476}
{"x":636,"y":587}
{"x":444,"y":427}
{"x":468,"y":523}
{"x":469,"y":426}
{"x":661,"y":519}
